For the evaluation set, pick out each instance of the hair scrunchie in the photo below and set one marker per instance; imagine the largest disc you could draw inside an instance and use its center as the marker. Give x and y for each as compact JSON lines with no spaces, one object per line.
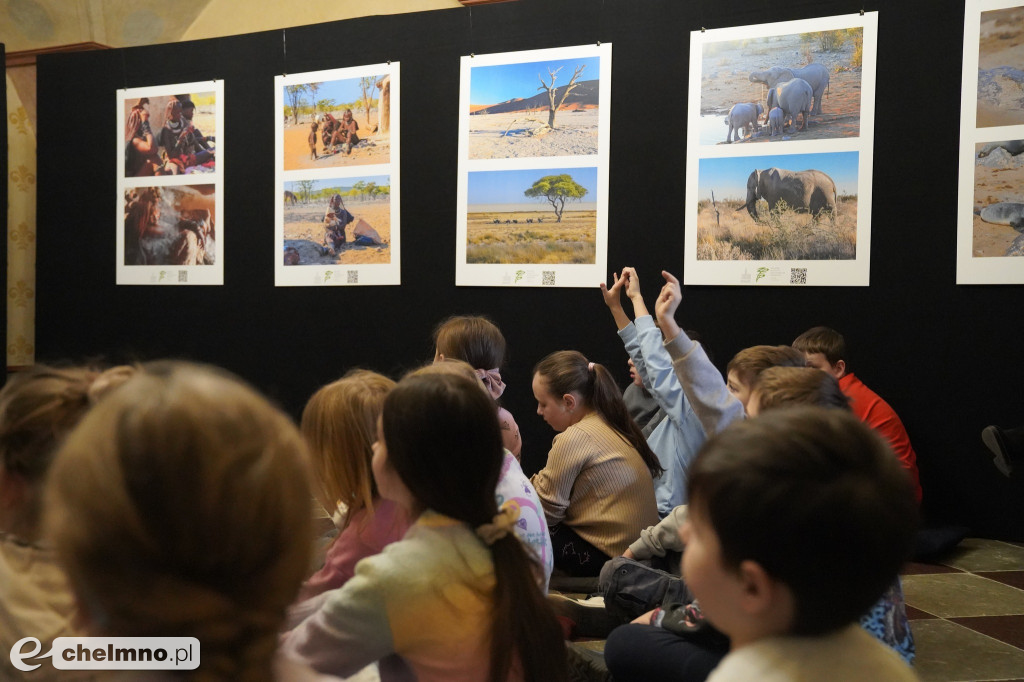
{"x":590,"y":367}
{"x":503,"y":523}
{"x":492,"y":381}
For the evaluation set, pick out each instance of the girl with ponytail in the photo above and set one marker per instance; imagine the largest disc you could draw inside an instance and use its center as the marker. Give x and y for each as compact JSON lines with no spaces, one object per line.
{"x":456,"y":599}
{"x":597,"y":487}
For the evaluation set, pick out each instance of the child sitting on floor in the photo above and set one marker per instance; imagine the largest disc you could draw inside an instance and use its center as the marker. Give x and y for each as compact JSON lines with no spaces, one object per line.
{"x":797,"y":522}
{"x":457,"y":597}
{"x":179,"y":507}
{"x":339,"y":425}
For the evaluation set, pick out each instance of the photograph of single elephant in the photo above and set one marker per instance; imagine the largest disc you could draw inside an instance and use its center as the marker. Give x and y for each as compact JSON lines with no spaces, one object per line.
{"x":778,"y":207}
{"x":531,"y":109}
{"x":998,"y":211}
{"x":1001,"y":68}
{"x":800,"y":86}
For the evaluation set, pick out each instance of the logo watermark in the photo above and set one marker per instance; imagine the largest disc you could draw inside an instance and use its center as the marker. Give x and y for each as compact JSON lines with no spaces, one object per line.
{"x":109,"y":653}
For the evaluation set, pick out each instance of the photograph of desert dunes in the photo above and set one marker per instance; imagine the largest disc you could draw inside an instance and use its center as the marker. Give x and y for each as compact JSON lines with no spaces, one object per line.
{"x":543,"y":108}
{"x":538,"y":216}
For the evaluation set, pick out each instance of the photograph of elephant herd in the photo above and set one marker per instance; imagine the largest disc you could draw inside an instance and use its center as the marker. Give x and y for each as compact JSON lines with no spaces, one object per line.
{"x":801,"y":86}
{"x":774,"y":208}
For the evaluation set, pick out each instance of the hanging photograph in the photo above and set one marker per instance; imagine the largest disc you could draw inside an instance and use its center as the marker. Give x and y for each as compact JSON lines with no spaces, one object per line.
{"x":533,"y":163}
{"x":781,"y":121}
{"x":990,"y":225}
{"x":337,"y":161}
{"x":170,"y":174}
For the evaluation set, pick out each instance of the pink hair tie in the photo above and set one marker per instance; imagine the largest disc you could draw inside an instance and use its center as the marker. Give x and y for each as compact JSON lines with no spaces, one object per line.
{"x":590,"y":367}
{"x":492,"y":381}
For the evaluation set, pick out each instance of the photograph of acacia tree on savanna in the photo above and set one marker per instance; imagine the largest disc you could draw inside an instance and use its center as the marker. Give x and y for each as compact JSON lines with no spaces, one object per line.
{"x":545,"y":215}
{"x":544,"y":108}
{"x":732,"y":190}
{"x":315,"y":130}
{"x":306,"y":232}
{"x":1001,"y":68}
{"x":998,"y":211}
{"x":748,"y":70}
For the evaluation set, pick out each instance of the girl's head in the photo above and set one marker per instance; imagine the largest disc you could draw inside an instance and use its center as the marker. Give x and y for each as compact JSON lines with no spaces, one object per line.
{"x":180,"y":507}
{"x":440,"y":448}
{"x":340,"y":425}
{"x":568,"y":387}
{"x":442,"y":440}
{"x":471,"y":338}
{"x":38,"y":407}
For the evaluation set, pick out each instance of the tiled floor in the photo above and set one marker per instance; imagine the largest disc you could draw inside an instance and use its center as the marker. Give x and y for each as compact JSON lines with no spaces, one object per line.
{"x":967,"y":613}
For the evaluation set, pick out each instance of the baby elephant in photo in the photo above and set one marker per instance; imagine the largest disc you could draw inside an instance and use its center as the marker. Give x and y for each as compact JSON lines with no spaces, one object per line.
{"x":793,"y":97}
{"x":775,"y":122}
{"x":312,"y":140}
{"x":743,"y":116}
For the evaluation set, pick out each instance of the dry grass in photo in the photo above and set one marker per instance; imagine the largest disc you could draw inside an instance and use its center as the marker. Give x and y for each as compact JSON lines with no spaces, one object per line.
{"x":786,"y":235}
{"x":574,"y":240}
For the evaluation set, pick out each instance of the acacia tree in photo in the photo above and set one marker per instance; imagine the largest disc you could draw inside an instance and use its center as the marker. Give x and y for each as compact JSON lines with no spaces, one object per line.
{"x":313,"y":89}
{"x":553,"y":93}
{"x":367,"y":84}
{"x":305,"y":188}
{"x":557,"y":189}
{"x":294,"y":94}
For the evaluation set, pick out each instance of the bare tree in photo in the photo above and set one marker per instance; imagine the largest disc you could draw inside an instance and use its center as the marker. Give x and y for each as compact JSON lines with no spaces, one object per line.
{"x":367,"y":84}
{"x":313,"y":89}
{"x":557,"y":189}
{"x":305,"y":188}
{"x":294,"y":94}
{"x":553,"y":93}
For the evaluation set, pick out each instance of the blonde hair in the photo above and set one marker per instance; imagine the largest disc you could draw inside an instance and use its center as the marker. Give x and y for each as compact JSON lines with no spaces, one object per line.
{"x":38,"y":407}
{"x":339,"y":425}
{"x":180,"y":507}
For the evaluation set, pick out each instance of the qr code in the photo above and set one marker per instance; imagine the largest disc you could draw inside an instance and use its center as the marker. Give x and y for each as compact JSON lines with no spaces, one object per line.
{"x":549,"y":278}
{"x":183,"y":275}
{"x":353,"y":277}
{"x":798,"y":275}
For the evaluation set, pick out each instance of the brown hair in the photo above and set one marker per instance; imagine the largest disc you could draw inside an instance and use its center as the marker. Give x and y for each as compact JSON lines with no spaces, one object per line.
{"x":472,"y":338}
{"x":339,"y":425}
{"x":568,"y":371}
{"x":180,"y":507}
{"x":779,"y":386}
{"x":824,"y":340}
{"x":38,"y":407}
{"x":444,"y":442}
{"x":816,"y":498}
{"x":750,"y":362}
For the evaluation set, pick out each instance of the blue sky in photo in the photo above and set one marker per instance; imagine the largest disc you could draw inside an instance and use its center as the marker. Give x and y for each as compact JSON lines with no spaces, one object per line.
{"x":379,"y":180}
{"x":500,"y":83}
{"x":728,"y":176}
{"x":507,"y":187}
{"x":341,"y":91}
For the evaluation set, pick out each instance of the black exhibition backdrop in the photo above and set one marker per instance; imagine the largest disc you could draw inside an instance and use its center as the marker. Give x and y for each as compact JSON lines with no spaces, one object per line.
{"x":945,"y":356}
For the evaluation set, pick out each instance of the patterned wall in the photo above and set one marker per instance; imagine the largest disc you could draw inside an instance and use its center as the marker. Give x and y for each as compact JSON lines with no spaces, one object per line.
{"x":21,"y":232}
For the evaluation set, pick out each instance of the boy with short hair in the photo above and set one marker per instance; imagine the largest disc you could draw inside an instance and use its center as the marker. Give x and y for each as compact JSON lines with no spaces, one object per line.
{"x":798,"y":520}
{"x":825,"y":348}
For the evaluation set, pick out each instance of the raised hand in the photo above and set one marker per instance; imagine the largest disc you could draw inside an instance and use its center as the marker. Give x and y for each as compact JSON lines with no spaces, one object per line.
{"x":668,"y":302}
{"x":613,"y":296}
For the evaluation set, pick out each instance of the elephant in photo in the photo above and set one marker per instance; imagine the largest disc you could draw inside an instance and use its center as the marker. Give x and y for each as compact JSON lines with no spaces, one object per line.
{"x":775,"y":122}
{"x":806,"y":191}
{"x":816,"y":76}
{"x":793,"y":97}
{"x":743,"y":116}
